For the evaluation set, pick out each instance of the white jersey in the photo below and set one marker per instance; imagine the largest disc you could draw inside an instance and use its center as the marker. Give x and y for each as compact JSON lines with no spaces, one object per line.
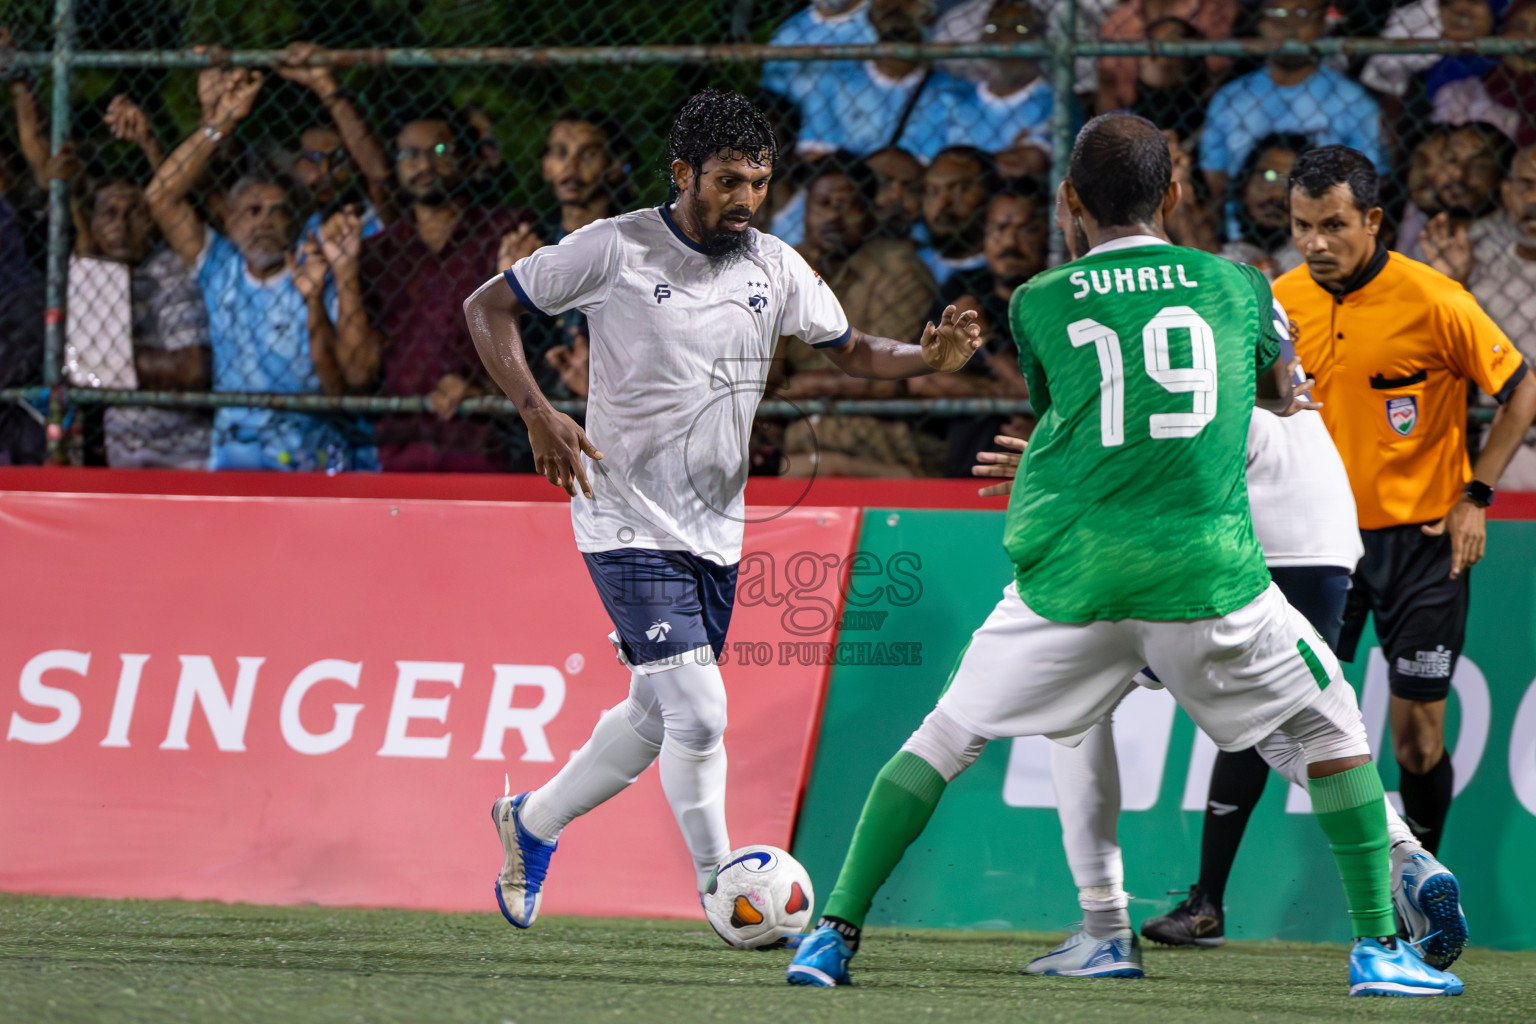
{"x":1298,"y":492}
{"x":680,"y":350}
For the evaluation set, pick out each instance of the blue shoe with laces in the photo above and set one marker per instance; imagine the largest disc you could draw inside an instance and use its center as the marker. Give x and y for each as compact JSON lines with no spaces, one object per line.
{"x":1083,"y":956}
{"x":1375,"y":970}
{"x":821,"y":960}
{"x":520,"y":886}
{"x":1428,"y":899}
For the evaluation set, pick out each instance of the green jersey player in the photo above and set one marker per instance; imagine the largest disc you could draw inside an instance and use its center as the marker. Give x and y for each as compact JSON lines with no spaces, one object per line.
{"x":1130,"y":530}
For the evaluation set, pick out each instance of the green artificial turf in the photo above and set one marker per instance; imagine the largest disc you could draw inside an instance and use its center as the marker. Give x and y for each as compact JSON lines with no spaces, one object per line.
{"x":100,"y":960}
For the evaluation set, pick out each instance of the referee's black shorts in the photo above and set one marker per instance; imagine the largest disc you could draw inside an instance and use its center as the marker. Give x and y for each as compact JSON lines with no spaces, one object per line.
{"x":1404,"y":580}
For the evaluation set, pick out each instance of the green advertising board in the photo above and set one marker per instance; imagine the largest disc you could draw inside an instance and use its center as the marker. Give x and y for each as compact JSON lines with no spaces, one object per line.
{"x":992,"y":857}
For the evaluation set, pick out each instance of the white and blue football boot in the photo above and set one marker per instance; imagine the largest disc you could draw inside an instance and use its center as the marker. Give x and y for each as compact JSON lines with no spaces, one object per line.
{"x":1083,"y":956}
{"x":520,"y":886}
{"x":1428,"y":900}
{"x":821,"y":960}
{"x":1375,"y":970}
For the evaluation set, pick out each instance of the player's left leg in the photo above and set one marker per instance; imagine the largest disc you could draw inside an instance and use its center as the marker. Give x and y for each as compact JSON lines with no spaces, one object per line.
{"x":1244,"y":674}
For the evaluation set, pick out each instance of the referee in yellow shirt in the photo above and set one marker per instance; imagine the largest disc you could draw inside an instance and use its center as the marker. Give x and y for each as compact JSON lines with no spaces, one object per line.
{"x":1392,"y":344}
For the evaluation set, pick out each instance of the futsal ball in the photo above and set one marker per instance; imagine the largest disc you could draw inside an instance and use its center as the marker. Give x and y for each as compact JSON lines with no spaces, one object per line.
{"x":757,"y":897}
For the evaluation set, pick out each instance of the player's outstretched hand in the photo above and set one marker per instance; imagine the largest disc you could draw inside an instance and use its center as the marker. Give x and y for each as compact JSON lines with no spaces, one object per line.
{"x":1468,"y":526}
{"x":558,"y":444}
{"x":951,"y":344}
{"x":1300,"y":393}
{"x":1003,"y":464}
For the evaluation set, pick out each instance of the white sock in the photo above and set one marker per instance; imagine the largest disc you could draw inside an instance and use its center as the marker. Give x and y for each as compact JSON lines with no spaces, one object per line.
{"x":695,"y":787}
{"x":692,"y":701}
{"x":1087,"y":783}
{"x":608,"y":764}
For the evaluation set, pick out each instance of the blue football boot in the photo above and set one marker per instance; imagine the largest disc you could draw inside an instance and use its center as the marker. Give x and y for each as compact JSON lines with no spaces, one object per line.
{"x":520,"y":886}
{"x":1375,"y":970}
{"x":1083,"y":956}
{"x":1428,"y":899}
{"x":821,"y":960}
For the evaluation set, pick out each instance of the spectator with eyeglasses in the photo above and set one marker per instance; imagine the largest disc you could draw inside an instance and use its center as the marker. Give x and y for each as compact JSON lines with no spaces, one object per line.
{"x":400,"y":328}
{"x":1014,"y":101}
{"x":341,"y":164}
{"x":1264,"y":209}
{"x":1292,"y":93}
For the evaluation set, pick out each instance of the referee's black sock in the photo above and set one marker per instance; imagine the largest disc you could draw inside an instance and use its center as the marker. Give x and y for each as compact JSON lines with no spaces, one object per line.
{"x":1237,"y":783}
{"x":1427,"y":800}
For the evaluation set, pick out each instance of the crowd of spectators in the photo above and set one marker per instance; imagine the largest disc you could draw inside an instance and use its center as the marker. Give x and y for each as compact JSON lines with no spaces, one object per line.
{"x":337,"y":268}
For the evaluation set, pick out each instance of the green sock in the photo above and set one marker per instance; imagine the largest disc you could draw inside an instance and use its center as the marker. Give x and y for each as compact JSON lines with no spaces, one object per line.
{"x":898,"y":807}
{"x":1349,"y":808}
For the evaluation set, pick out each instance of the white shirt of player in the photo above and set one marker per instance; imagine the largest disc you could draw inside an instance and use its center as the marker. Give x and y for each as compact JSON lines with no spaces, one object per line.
{"x":1303,"y":509}
{"x":680,"y":350}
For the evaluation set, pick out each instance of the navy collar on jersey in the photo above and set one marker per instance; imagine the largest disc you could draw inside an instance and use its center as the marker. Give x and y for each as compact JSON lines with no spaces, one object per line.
{"x":1126,"y":242}
{"x":1362,"y":277}
{"x":666,"y":215}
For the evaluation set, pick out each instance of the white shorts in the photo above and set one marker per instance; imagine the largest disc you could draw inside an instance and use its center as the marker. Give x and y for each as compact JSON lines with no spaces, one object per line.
{"x":1239,"y":676}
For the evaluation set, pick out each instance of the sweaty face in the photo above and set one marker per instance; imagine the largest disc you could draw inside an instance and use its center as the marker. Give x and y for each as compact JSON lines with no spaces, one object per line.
{"x":722,"y":198}
{"x":260,"y":220}
{"x":953,"y":201}
{"x":1264,"y":193}
{"x":899,"y":201}
{"x":1519,"y":194}
{"x":836,"y":219}
{"x":1334,"y":237}
{"x":1015,"y":240}
{"x":427,"y":162}
{"x":121,"y":224}
{"x":577,"y":163}
{"x":1458,"y":173}
{"x":324,"y":166}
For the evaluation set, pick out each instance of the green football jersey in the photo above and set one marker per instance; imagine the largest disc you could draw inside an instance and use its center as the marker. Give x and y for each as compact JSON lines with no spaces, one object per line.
{"x":1132,"y":500}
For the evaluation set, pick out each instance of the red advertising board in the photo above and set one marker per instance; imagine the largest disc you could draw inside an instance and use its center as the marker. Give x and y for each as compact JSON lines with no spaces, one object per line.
{"x":284,"y":700}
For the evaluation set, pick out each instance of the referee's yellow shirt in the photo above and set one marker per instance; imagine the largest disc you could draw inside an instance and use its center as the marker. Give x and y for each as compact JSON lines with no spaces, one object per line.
{"x":1391,"y":355}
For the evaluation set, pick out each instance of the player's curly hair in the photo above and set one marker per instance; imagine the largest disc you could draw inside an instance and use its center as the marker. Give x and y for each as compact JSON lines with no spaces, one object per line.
{"x":715,"y":122}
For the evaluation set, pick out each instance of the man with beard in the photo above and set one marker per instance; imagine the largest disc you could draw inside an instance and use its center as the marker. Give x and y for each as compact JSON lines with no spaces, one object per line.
{"x":1292,"y":93}
{"x":1499,"y":269}
{"x":1453,"y":188}
{"x":268,"y":327}
{"x":899,"y":193}
{"x":686,"y":303}
{"x":1394,"y":345}
{"x":956,"y":188}
{"x":399,"y":324}
{"x":1263,"y":212}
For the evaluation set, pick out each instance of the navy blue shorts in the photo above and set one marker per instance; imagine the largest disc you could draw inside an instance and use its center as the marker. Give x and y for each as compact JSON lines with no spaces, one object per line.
{"x":663,"y":603}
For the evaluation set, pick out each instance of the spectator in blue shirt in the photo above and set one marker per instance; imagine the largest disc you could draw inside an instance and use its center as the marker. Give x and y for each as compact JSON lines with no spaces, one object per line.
{"x":1291,"y":94}
{"x":1012,"y":105}
{"x":862,"y":106}
{"x":956,"y":189}
{"x":822,"y":23}
{"x":267,"y":320}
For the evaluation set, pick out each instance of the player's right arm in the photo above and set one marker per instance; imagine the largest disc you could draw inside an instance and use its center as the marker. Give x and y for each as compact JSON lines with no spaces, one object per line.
{"x":226,"y":96}
{"x":493,"y":312}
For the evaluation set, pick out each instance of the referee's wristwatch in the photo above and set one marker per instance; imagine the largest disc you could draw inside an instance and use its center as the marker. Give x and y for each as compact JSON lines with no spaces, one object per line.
{"x":1478,"y":493}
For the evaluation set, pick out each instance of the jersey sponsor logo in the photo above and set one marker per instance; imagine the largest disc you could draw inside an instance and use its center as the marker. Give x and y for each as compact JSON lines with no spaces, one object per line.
{"x":663,"y":291}
{"x":658,"y":630}
{"x":758,"y":300}
{"x":1403,"y":414}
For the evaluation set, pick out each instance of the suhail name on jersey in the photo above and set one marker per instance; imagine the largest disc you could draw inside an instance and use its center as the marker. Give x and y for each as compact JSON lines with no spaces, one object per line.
{"x":1130,"y":279}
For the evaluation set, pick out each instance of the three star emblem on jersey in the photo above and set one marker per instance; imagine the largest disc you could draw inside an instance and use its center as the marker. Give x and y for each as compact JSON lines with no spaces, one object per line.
{"x":758,"y":301}
{"x":1403,"y":414}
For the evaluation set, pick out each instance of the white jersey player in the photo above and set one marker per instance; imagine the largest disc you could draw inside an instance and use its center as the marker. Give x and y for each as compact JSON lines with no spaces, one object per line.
{"x":685,"y":304}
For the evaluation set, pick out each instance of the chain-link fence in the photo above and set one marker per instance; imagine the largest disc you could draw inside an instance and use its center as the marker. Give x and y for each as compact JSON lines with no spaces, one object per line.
{"x":237,"y":234}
